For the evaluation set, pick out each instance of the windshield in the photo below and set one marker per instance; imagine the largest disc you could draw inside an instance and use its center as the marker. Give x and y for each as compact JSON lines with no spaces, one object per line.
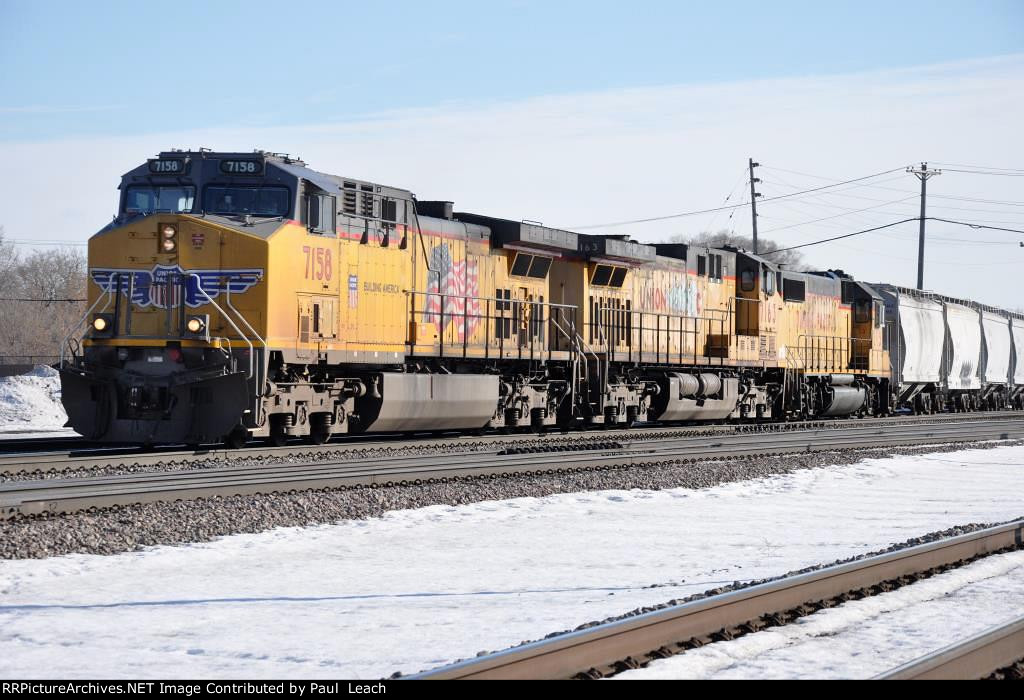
{"x":148,"y":198}
{"x":258,"y":201}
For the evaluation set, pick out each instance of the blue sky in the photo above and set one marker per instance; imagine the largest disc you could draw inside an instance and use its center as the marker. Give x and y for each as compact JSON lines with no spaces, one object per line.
{"x":103,"y":68}
{"x":567,"y":113}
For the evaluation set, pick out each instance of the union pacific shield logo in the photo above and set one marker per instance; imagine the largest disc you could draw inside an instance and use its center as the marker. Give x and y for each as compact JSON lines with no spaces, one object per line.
{"x":169,"y":285}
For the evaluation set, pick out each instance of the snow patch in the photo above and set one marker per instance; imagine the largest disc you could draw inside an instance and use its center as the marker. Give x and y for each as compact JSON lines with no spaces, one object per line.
{"x":415,"y":589}
{"x":31,"y":402}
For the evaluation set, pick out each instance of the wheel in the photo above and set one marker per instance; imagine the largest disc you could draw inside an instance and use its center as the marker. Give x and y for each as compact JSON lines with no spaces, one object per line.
{"x":319,"y":435}
{"x":277,"y":437}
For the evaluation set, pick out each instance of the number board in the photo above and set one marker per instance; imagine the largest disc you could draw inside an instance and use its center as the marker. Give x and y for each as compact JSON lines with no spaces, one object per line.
{"x":242,"y":167}
{"x":167,"y":166}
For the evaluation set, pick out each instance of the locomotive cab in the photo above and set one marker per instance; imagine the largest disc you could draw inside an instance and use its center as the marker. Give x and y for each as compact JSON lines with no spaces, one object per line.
{"x":173,"y":347}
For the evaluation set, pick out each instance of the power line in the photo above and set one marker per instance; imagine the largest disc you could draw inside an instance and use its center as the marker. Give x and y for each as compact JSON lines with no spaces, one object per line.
{"x":851,"y":211}
{"x":43,"y":300}
{"x":875,"y":199}
{"x":890,"y":225}
{"x":15,"y":241}
{"x":898,"y":189}
{"x":845,"y":235}
{"x":981,"y":167}
{"x":1003,"y":202}
{"x":981,"y":172}
{"x":733,"y":206}
{"x":967,"y":223}
{"x":889,"y":256}
{"x":836,"y":216}
{"x":739,"y":181}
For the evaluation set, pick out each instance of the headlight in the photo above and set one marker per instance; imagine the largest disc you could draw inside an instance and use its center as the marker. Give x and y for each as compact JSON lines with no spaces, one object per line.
{"x":196,"y":327}
{"x":103,"y":325}
{"x":168,"y":238}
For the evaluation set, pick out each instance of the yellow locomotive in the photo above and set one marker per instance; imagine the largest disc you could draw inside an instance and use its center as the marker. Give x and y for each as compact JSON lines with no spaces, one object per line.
{"x":241,"y":295}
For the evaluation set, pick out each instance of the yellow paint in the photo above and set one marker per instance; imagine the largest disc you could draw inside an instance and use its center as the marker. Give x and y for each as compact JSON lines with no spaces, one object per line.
{"x":323,"y":294}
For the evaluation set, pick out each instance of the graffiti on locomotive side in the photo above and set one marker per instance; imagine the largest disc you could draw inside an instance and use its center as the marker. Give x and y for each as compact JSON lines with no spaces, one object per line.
{"x":683,"y":299}
{"x":457,"y":282}
{"x":817,"y":314}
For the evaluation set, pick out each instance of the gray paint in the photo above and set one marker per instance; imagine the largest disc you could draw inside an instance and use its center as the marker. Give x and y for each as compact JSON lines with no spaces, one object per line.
{"x":436,"y":401}
{"x":671,"y":406}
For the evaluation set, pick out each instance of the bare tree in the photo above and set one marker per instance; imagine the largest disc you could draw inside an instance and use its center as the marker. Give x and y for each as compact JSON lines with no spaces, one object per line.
{"x":9,"y":289}
{"x":40,"y":297}
{"x":792,"y":259}
{"x":8,"y":265}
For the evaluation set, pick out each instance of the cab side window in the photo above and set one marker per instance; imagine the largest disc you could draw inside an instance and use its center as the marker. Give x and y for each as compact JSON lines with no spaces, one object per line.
{"x":747,"y":280}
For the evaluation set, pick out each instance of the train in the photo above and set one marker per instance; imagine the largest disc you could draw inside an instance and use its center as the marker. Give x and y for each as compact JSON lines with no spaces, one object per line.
{"x":239,"y":296}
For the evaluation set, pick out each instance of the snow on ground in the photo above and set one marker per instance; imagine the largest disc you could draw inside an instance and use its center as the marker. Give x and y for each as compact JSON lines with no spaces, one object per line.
{"x":30,"y":403}
{"x":418,"y":588}
{"x":865,"y":638}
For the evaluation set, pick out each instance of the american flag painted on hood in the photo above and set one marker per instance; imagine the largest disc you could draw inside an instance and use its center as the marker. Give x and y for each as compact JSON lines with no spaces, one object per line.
{"x":455,"y":280}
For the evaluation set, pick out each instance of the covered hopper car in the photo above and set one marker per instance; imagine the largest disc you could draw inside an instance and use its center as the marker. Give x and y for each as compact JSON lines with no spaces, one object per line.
{"x":952,"y":354}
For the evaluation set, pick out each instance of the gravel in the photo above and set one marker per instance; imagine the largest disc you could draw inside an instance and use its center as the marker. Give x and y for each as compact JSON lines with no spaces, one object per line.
{"x":130,"y":528}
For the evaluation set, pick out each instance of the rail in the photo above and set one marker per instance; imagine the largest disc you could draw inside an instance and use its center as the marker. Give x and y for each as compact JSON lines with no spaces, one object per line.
{"x":632,"y":642}
{"x":59,"y":495}
{"x":976,"y":657}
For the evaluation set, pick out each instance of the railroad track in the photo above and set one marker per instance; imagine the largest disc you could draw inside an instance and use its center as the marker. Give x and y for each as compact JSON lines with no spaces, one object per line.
{"x":38,"y":455}
{"x":55,"y":496}
{"x":1001,"y":647}
{"x":613,"y":647}
{"x":12,"y":443}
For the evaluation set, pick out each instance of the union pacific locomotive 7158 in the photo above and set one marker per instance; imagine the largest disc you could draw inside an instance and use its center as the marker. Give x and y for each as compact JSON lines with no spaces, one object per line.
{"x":245,"y":295}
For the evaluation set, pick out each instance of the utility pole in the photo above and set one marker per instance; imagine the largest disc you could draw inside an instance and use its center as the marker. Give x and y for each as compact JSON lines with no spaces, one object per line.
{"x":922,"y":173}
{"x":753,"y":200}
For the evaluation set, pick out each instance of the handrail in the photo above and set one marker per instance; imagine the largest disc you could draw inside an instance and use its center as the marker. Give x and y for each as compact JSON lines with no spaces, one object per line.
{"x":418,"y":292}
{"x":834,"y":352}
{"x":106,"y":294}
{"x":242,"y":316}
{"x":532,"y":336}
{"x":227,"y":298}
{"x":209,"y":299}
